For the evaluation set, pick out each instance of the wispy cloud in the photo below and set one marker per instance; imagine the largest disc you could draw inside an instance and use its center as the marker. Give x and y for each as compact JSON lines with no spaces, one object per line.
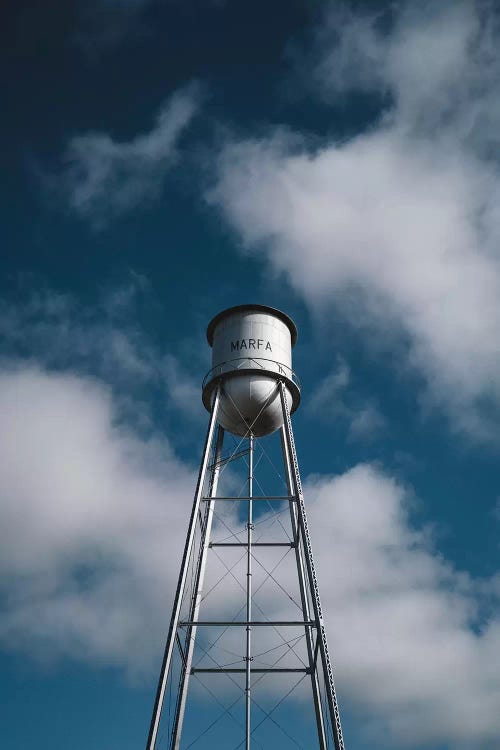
{"x":398,"y":224}
{"x":183,"y":389}
{"x":103,"y":340}
{"x":334,"y":398}
{"x":102,"y":178}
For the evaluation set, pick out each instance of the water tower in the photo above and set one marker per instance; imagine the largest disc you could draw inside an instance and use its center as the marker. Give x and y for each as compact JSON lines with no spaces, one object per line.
{"x":250,"y":392}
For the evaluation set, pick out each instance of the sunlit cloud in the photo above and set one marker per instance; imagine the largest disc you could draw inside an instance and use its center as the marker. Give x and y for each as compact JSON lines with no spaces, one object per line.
{"x":397,"y":226}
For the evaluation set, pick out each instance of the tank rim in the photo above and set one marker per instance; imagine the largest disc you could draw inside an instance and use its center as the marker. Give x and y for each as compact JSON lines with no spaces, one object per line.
{"x":257,"y":308}
{"x":210,"y":385}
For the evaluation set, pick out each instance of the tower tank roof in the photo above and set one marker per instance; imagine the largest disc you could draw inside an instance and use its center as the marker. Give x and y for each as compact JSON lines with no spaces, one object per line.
{"x":252,"y":308}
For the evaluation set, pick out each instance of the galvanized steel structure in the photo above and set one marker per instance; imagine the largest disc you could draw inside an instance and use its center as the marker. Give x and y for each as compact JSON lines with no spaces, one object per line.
{"x":250,"y":391}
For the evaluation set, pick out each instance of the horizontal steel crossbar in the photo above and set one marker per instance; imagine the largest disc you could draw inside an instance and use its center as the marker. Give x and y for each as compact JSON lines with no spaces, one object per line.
{"x":254,"y":544}
{"x":249,"y":623}
{"x":259,"y":670}
{"x":255,"y":497}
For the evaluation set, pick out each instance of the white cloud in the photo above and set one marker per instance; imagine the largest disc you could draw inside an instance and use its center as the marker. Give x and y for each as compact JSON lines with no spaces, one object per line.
{"x":92,"y":519}
{"x":405,"y":627}
{"x":103,"y":178}
{"x":397,"y":226}
{"x":92,"y":498}
{"x":459,"y":39}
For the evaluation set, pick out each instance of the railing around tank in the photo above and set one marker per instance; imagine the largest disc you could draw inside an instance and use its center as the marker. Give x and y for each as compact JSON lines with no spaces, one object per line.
{"x":245,"y":363}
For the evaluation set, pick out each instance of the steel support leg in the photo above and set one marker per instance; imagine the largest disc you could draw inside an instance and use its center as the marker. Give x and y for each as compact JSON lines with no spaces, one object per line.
{"x":248,"y":657}
{"x":197,"y":596}
{"x":174,"y":622}
{"x":303,"y":594}
{"x":311,"y":573}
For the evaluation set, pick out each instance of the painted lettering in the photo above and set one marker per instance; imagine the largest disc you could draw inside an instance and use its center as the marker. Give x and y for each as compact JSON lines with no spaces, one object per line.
{"x":237,"y":346}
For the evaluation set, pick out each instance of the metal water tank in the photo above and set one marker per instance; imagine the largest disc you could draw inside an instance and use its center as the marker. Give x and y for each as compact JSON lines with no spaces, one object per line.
{"x":251,"y":353}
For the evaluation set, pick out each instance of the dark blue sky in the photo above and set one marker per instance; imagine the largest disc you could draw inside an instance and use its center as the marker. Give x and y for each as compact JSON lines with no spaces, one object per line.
{"x":116,"y":297}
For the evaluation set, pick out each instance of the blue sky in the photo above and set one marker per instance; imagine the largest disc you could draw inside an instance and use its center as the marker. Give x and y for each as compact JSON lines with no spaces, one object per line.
{"x":162,"y":161}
